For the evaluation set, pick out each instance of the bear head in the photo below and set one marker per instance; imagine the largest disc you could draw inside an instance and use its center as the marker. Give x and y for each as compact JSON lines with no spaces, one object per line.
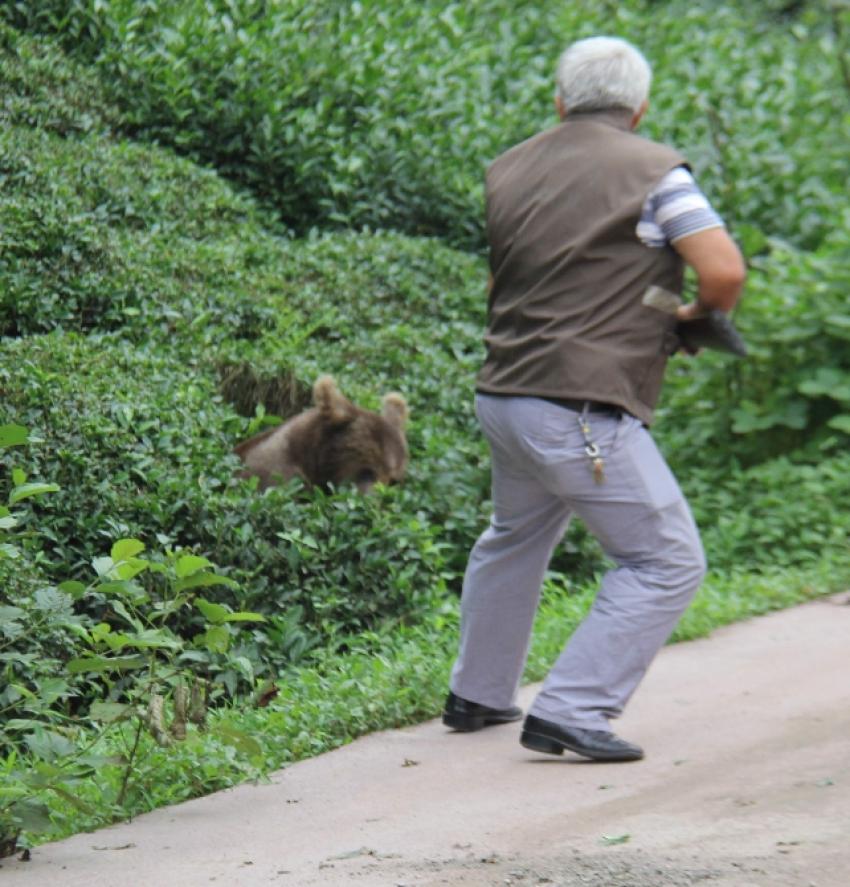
{"x":334,"y":442}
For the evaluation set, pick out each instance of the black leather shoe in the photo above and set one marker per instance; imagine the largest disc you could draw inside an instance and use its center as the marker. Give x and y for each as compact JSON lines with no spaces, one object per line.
{"x":461,"y":714}
{"x":600,"y":745}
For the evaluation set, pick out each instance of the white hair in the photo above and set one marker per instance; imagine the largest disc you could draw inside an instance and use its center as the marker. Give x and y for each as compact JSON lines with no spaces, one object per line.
{"x":600,"y":73}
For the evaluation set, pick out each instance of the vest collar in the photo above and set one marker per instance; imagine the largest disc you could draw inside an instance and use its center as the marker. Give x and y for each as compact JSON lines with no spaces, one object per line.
{"x":619,"y":118}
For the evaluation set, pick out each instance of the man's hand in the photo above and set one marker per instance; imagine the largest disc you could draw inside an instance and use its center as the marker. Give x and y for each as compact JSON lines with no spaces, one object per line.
{"x":691,"y":311}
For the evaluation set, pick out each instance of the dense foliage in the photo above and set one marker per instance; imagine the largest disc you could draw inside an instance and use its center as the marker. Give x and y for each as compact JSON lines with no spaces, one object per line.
{"x":205,"y":205}
{"x":384,"y":113}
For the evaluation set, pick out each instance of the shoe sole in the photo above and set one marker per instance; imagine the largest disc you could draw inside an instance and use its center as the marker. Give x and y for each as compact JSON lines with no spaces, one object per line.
{"x":549,"y":746}
{"x":467,"y":724}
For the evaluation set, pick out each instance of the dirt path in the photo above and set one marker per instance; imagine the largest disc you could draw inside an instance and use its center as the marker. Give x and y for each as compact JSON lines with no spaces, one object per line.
{"x":746,"y":782}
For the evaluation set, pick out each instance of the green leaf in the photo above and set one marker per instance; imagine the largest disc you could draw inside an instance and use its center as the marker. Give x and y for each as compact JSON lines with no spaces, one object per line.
{"x":827,"y":382}
{"x":7,"y":521}
{"x":97,"y":761}
{"x":34,"y":489}
{"x":840,"y":423}
{"x":241,"y":741}
{"x":752,"y":240}
{"x":120,"y":608}
{"x":126,"y":590}
{"x":9,"y":551}
{"x":153,"y":639}
{"x":73,"y":588}
{"x":216,"y":639}
{"x":23,"y":724}
{"x":49,"y":745}
{"x":124,"y":567}
{"x":109,"y":712}
{"x":129,"y":568}
{"x":100,"y":631}
{"x":124,"y":549}
{"x":610,"y":840}
{"x":51,"y":689}
{"x":244,"y":616}
{"x":32,"y":815}
{"x":215,"y":613}
{"x":72,"y":798}
{"x":203,"y":580}
{"x":13,"y":435}
{"x":838,"y":325}
{"x":115,"y":640}
{"x":189,"y":564}
{"x":117,"y":586}
{"x":751,"y":417}
{"x":103,"y":565}
{"x":296,"y":538}
{"x":91,"y":664}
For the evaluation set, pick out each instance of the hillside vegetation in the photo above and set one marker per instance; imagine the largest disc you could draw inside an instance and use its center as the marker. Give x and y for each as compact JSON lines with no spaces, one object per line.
{"x":206,"y":204}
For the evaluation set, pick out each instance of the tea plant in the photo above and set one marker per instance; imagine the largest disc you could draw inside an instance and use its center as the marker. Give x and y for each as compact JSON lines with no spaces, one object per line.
{"x":119,"y":674}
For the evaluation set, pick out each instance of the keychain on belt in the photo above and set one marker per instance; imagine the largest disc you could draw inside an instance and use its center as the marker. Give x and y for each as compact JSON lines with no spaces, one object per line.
{"x":592,"y":449}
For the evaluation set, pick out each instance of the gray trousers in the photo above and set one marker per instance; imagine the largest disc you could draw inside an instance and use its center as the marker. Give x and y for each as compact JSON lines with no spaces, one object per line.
{"x":541,"y":476}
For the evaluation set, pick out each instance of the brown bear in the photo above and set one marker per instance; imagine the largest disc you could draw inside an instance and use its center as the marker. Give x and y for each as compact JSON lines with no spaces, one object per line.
{"x":333,"y":442}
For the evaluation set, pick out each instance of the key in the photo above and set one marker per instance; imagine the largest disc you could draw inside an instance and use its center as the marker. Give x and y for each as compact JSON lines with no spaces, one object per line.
{"x":599,"y":469}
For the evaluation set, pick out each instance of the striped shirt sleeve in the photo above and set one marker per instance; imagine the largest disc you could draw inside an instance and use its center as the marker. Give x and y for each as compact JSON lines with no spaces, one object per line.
{"x":675,"y":208}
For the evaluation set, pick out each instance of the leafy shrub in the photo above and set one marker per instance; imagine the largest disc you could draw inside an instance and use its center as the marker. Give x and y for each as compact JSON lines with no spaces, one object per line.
{"x":749,"y":95}
{"x":793,"y":390}
{"x":337,"y":115}
{"x":114,"y":237}
{"x":385,"y":114}
{"x":751,"y":522}
{"x":115,"y":668}
{"x":41,"y":89}
{"x":90,"y":236}
{"x":162,"y":439}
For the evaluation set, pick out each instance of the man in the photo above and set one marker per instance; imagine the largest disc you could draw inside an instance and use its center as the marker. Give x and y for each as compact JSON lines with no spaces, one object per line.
{"x":587,"y":224}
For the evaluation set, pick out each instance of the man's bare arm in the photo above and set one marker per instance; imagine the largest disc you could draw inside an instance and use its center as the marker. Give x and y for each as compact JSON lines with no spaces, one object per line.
{"x":719,"y":267}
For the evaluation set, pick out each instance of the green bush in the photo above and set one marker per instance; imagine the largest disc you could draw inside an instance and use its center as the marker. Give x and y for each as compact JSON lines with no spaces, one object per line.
{"x":385,"y":114}
{"x":793,"y":390}
{"x":73,"y":683}
{"x":750,"y":96}
{"x":140,"y":444}
{"x":41,"y":89}
{"x":751,"y":522}
{"x":105,"y":235}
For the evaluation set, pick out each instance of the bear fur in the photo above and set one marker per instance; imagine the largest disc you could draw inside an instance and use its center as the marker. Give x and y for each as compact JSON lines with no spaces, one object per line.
{"x":334,"y":442}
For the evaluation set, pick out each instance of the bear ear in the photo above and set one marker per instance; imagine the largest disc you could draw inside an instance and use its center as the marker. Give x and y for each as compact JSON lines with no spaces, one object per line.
{"x":331,"y":403}
{"x":395,"y":409}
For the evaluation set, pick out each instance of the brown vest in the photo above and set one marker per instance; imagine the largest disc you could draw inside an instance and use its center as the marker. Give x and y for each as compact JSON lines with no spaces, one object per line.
{"x":566,"y":317}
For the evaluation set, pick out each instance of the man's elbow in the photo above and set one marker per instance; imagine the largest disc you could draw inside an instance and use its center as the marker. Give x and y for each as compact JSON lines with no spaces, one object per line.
{"x":725,"y":284}
{"x":736,"y":275}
